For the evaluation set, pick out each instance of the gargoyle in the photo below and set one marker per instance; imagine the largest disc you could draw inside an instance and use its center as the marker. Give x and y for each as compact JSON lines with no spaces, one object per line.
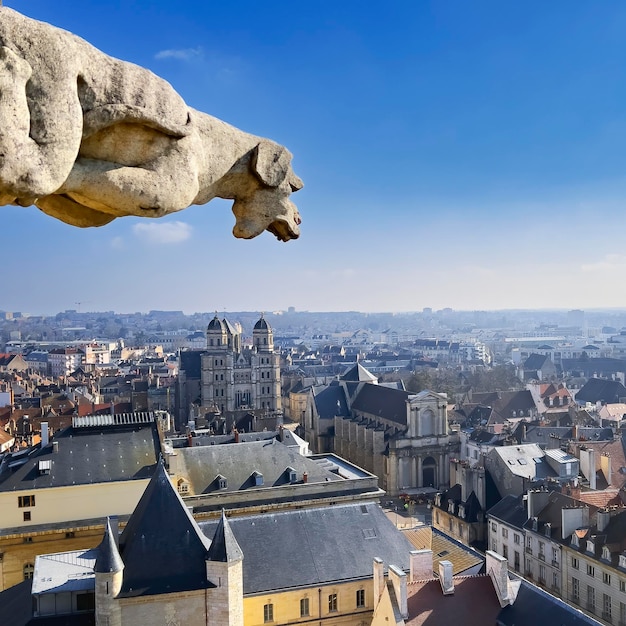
{"x":87,"y":138}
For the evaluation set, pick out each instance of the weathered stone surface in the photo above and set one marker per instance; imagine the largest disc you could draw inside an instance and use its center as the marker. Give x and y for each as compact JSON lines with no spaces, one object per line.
{"x":87,"y":138}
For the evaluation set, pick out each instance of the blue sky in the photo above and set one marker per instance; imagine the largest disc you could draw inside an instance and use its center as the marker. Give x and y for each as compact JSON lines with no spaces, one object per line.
{"x":455,"y":153}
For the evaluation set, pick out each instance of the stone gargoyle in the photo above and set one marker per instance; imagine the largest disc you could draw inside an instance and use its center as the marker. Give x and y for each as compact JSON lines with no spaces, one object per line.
{"x":87,"y":138}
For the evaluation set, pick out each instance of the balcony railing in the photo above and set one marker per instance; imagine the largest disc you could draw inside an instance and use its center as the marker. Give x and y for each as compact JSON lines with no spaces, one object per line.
{"x":528,"y":550}
{"x":541,"y":556}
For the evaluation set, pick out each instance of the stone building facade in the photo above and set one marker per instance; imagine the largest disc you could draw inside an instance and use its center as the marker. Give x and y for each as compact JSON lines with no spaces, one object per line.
{"x":228,"y":377}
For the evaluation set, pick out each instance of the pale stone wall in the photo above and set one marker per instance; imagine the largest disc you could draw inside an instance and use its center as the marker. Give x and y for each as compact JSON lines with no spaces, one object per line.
{"x":286,"y":605}
{"x":68,"y":503}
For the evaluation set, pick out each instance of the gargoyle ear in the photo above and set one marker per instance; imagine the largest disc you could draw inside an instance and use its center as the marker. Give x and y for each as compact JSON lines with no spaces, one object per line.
{"x":271,"y":162}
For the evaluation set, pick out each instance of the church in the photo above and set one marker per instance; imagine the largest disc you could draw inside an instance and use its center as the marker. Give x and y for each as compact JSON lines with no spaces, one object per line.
{"x":228,"y":377}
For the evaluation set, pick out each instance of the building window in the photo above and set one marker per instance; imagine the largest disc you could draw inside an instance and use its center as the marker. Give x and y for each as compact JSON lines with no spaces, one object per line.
{"x":24,"y":501}
{"x":542,"y":574}
{"x":591,"y":570}
{"x":622,"y":612}
{"x":622,"y":586}
{"x":575,"y":591}
{"x":332,"y":603}
{"x":606,"y":578}
{"x":86,"y":601}
{"x":268,"y":613}
{"x":28,"y":540}
{"x":516,"y":538}
{"x":494,"y":527}
{"x":575,"y":563}
{"x":591,"y":598}
{"x":360,"y":598}
{"x":28,"y":570}
{"x":27,"y":516}
{"x":505,"y":533}
{"x":606,"y":607}
{"x":516,"y":561}
{"x":304,"y":607}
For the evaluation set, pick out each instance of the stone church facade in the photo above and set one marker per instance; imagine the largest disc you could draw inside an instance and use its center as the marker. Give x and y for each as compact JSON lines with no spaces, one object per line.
{"x":401,"y":437}
{"x":228,"y":377}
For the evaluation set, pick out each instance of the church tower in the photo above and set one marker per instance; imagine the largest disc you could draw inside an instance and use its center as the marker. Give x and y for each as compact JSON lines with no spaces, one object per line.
{"x":265,"y":367}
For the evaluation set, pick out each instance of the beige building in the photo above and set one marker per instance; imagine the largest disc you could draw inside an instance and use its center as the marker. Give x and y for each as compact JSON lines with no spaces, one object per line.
{"x":55,"y":497}
{"x":296,"y":566}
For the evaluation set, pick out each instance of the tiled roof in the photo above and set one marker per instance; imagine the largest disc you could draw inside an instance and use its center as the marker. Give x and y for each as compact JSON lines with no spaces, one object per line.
{"x":444,"y":548}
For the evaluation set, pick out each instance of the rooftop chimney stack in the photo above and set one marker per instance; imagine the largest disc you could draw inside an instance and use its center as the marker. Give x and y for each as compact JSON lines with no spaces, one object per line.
{"x":45,"y":435}
{"x":445,"y":577}
{"x":421,"y":564}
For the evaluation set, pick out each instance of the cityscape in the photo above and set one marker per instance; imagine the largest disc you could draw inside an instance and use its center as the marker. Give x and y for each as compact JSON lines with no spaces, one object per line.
{"x":312,"y":313}
{"x":473,"y":454}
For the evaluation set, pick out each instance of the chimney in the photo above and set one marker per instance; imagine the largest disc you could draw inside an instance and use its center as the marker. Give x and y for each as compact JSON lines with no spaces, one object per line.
{"x":536,"y":501}
{"x":236,"y":433}
{"x":55,"y":446}
{"x":498,"y":570}
{"x":398,"y":580}
{"x":379,"y":579}
{"x":605,"y":466}
{"x":305,"y":477}
{"x":602,"y":520}
{"x":45,"y":437}
{"x":421,"y":564}
{"x":189,"y":440}
{"x":573,"y":518}
{"x":445,"y":578}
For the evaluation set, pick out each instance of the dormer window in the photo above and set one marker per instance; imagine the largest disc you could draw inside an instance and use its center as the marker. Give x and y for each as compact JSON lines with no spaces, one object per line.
{"x":221,"y":482}
{"x":590,"y":546}
{"x":606,"y":553}
{"x":622,"y":561}
{"x":548,"y":529}
{"x":291,"y":474}
{"x":257,"y":477}
{"x":575,"y":543}
{"x":451,"y":507}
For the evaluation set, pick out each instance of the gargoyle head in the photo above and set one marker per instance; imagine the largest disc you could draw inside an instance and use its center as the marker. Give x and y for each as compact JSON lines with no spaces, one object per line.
{"x":267,"y":206}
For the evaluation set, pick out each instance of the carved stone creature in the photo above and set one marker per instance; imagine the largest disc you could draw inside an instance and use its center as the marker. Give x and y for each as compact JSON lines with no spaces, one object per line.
{"x":87,"y":138}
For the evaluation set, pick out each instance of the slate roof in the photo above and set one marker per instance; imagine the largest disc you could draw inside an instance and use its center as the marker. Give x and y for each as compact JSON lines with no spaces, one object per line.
{"x":511,"y":510}
{"x":535,"y":607}
{"x":90,"y":455}
{"x":224,"y":547}
{"x":535,"y":362}
{"x":601,"y":390}
{"x":236,"y":462}
{"x":162,"y":547}
{"x":382,"y":402}
{"x":191,"y":363}
{"x":358,"y":373}
{"x":108,"y":557}
{"x":314,"y":546}
{"x":331,"y":401}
